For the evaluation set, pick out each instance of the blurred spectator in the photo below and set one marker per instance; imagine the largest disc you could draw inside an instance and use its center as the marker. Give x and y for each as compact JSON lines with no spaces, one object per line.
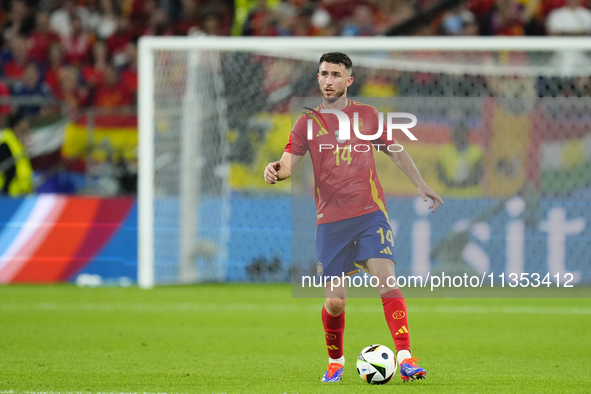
{"x":62,"y":19}
{"x":110,"y":93}
{"x":470,"y":28}
{"x":129,"y":73}
{"x":459,"y":21}
{"x":92,"y":72}
{"x":212,"y":24}
{"x":547,"y":6}
{"x":20,"y":22}
{"x":118,"y":41}
{"x":506,"y":20}
{"x":56,"y":61}
{"x":224,"y":10}
{"x":16,"y":172}
{"x":304,"y":23}
{"x":300,"y":25}
{"x":482,"y":10}
{"x":510,"y":18}
{"x":286,"y":14}
{"x":15,"y":67}
{"x":133,"y":8}
{"x":572,"y":19}
{"x":141,"y":12}
{"x":159,"y":24}
{"x":32,"y":87}
{"x":104,"y":21}
{"x":77,"y":44}
{"x":41,"y":39}
{"x":4,"y":95}
{"x":361,"y":24}
{"x":321,"y":19}
{"x":331,"y":30}
{"x":285,"y":8}
{"x":339,"y":10}
{"x":460,"y":164}
{"x":193,"y":13}
{"x":260,"y":22}
{"x":70,"y":92}
{"x":397,"y":12}
{"x":190,"y":20}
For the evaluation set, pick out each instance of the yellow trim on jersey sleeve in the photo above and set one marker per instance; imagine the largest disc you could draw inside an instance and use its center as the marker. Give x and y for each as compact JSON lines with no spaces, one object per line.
{"x":360,"y":104}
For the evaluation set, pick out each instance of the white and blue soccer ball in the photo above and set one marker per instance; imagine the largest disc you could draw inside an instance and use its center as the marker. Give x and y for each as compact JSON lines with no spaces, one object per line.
{"x":376,"y":364}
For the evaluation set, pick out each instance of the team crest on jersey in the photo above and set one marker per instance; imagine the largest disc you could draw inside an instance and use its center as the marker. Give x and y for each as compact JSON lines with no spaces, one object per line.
{"x":319,"y":269}
{"x":359,"y":123}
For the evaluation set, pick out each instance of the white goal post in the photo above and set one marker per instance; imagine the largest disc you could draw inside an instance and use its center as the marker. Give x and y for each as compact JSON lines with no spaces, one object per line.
{"x":202,"y":68}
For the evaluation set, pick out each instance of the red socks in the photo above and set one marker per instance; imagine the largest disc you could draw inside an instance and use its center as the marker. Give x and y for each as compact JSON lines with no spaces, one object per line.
{"x":334,"y":327}
{"x":395,"y":311}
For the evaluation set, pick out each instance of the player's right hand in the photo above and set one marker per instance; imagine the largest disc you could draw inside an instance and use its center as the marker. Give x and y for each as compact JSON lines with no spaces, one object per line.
{"x":271,"y":172}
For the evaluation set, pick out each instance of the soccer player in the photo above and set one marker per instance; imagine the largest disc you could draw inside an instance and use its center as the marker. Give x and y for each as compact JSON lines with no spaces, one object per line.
{"x":353,"y":228}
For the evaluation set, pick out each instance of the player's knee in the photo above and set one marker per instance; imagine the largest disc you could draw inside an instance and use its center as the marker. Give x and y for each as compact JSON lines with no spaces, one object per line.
{"x":386,"y":281}
{"x":380,"y":274}
{"x":335,"y":306}
{"x":382,"y":269}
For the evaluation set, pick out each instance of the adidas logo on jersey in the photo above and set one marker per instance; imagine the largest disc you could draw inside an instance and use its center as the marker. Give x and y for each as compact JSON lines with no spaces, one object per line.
{"x":387,"y":251}
{"x":322,"y":132}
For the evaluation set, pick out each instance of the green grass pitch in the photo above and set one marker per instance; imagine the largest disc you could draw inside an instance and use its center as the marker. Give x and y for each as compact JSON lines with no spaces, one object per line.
{"x":257,"y":339}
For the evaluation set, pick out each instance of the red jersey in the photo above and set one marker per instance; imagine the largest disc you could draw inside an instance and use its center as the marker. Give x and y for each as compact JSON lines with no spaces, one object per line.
{"x":76,"y":48}
{"x":92,"y":75}
{"x":116,"y":96}
{"x":52,"y":78}
{"x":13,"y":70}
{"x":129,"y":80}
{"x":39,"y":44}
{"x":345,"y":180}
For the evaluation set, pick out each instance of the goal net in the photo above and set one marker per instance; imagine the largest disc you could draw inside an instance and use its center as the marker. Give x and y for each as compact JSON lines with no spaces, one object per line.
{"x":503,"y":130}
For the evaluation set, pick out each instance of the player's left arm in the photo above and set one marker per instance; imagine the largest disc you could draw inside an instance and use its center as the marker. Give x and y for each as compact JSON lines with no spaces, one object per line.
{"x":403,"y":160}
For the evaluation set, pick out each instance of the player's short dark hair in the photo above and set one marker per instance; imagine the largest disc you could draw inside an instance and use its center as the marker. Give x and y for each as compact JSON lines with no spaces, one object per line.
{"x":337,"y":58}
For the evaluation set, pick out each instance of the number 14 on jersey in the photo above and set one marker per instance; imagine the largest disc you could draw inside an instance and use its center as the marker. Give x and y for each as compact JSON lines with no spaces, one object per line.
{"x":344,"y":155}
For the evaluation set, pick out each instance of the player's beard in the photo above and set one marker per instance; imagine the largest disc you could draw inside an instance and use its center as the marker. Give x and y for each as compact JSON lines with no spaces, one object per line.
{"x":334,"y":98}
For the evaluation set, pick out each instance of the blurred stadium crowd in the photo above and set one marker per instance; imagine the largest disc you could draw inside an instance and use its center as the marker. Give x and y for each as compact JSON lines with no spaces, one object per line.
{"x":77,"y":60}
{"x":419,"y":17}
{"x":84,"y":52}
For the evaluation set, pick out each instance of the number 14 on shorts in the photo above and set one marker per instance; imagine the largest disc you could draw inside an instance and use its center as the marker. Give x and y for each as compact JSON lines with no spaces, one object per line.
{"x":389,"y":236}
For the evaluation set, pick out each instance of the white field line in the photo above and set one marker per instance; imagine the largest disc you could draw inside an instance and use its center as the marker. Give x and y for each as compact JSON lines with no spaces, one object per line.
{"x":288,"y":308}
